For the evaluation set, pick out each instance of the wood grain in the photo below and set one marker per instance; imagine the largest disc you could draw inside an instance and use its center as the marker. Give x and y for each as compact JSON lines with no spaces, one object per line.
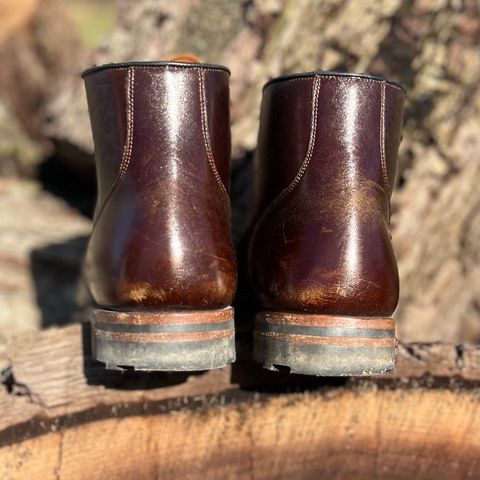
{"x":64,"y":416}
{"x":417,"y":434}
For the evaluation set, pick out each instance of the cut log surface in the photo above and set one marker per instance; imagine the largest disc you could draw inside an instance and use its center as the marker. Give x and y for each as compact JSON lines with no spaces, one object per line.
{"x":64,"y":416}
{"x":42,"y":242}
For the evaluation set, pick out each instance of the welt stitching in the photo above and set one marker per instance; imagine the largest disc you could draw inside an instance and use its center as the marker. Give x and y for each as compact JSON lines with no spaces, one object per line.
{"x":205,"y":131}
{"x":308,"y":155}
{"x":382,"y":138}
{"x":128,"y":146}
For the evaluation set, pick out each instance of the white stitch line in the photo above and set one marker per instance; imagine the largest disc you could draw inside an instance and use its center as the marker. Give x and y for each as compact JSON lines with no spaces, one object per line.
{"x":382,"y":138}
{"x":101,"y":68}
{"x":311,"y":140}
{"x":205,"y":131}
{"x":336,"y":77}
{"x":308,"y":154}
{"x":128,"y":146}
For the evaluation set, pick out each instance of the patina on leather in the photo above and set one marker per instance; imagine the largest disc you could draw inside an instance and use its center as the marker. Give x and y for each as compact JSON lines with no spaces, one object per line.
{"x":161,"y":235}
{"x":325,"y":168}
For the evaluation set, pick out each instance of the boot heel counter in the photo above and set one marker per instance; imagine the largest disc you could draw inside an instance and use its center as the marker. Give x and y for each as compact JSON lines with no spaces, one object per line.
{"x":321,"y":268}
{"x":147,"y":263}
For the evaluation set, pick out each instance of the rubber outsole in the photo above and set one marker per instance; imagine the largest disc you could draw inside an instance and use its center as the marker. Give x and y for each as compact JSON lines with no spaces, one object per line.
{"x":163,"y":341}
{"x":325,"y":345}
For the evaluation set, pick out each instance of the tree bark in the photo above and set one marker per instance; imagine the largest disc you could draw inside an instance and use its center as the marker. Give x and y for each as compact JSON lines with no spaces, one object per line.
{"x":39,"y":50}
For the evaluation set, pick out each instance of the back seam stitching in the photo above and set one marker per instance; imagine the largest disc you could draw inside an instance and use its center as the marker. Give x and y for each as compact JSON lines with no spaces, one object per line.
{"x":128,"y":146}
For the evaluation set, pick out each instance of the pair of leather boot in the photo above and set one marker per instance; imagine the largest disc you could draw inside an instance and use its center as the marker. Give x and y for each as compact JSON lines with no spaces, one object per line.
{"x":161,"y":264}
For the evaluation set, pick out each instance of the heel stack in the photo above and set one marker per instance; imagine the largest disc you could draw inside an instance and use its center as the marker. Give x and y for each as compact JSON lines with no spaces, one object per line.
{"x":325,"y":345}
{"x":166,"y":340}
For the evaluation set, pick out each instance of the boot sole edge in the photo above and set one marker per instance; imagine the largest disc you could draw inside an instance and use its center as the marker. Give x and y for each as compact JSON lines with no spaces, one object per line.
{"x":163,"y":341}
{"x":325,"y":345}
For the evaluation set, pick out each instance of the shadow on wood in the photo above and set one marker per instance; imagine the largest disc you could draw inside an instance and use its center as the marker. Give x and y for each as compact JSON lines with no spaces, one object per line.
{"x":64,"y":416}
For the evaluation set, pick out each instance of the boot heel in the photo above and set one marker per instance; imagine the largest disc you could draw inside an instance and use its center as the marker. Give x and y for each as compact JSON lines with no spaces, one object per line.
{"x":166,"y":340}
{"x":325,"y":345}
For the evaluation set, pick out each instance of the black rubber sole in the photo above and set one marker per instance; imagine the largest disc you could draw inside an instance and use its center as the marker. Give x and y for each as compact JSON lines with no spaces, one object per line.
{"x":163,"y":341}
{"x":325,"y":345}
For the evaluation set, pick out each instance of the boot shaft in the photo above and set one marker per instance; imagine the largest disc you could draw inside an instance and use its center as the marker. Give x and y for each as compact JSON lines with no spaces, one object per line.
{"x":325,"y":167}
{"x":351,"y":123}
{"x":172,"y":112}
{"x":161,"y":234}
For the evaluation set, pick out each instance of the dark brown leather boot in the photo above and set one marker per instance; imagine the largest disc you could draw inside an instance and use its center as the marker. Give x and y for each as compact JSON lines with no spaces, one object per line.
{"x":321,"y":257}
{"x":160,"y":263}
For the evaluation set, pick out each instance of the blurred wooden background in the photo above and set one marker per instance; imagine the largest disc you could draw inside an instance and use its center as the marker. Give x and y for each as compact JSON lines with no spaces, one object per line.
{"x":46,"y":166}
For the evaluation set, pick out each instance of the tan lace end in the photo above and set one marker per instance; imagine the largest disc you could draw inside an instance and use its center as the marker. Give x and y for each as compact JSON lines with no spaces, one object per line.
{"x":185,"y":58}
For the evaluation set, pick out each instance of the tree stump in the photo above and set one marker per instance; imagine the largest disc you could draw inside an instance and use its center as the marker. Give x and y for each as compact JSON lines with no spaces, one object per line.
{"x":64,"y":416}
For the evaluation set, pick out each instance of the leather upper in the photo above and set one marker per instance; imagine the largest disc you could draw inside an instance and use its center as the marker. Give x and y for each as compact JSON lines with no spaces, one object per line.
{"x":325,"y":167}
{"x":161,"y":235}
